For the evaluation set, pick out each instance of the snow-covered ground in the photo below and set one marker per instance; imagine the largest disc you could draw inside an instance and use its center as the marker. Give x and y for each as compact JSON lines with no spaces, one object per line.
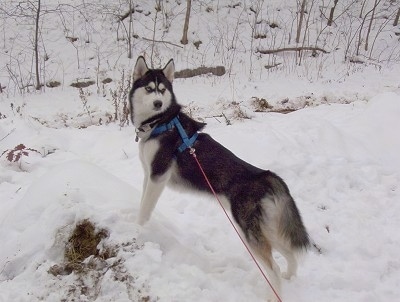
{"x":340,"y":161}
{"x":340,"y":156}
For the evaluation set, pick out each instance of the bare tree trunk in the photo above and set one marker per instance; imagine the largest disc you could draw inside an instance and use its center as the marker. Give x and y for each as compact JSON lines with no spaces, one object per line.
{"x":301,"y":17}
{"x":36,"y":46}
{"x":362,"y":9}
{"x":330,"y":20}
{"x":158,"y":9}
{"x":306,"y":31}
{"x":360,"y":35}
{"x":256,"y":12}
{"x":360,"y":31}
{"x":184,"y":39}
{"x":370,"y":24}
{"x":130,"y":31}
{"x":396,"y":20}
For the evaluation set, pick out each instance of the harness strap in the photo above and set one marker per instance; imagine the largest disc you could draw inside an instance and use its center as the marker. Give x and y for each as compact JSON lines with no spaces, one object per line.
{"x":162,"y":128}
{"x":187,"y":142}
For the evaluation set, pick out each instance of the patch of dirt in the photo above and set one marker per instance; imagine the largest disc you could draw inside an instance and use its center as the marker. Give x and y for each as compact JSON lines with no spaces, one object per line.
{"x":90,"y":262}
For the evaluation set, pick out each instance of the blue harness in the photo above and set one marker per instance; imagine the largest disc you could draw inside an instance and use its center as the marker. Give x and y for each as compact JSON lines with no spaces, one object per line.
{"x":187,"y":142}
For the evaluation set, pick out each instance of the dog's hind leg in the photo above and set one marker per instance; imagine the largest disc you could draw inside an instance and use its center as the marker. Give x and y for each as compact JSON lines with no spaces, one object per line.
{"x":290,"y":257}
{"x":251,"y":216}
{"x":263,"y":251}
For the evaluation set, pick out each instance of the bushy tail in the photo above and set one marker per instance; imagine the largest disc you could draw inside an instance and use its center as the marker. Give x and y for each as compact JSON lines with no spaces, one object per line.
{"x":290,"y":224}
{"x":292,"y":228}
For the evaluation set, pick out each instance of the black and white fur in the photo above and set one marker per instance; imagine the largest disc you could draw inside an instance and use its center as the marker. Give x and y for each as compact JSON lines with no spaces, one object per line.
{"x":259,"y":200}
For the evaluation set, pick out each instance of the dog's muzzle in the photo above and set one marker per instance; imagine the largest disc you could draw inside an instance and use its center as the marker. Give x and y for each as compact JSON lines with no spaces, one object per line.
{"x":157,"y":105}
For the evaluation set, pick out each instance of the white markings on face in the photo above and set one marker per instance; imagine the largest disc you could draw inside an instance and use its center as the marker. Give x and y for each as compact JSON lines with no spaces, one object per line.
{"x":161,"y":88}
{"x":154,"y":87}
{"x":150,"y":100}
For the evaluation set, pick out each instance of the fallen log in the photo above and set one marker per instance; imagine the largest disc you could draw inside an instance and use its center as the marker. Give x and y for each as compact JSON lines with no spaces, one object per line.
{"x":189,"y":73}
{"x":302,"y":48}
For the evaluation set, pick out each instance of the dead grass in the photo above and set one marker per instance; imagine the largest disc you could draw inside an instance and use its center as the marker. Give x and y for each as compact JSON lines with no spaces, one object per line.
{"x":260,"y":104}
{"x":91,"y":261}
{"x":84,"y":241}
{"x":82,"y":244}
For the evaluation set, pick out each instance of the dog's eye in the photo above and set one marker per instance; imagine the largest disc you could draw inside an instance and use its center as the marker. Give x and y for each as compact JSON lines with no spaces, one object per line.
{"x":148,"y":89}
{"x":162,"y":90}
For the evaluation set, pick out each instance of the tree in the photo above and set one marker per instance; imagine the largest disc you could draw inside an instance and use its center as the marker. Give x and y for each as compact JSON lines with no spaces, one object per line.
{"x":332,"y":12}
{"x":396,"y":20}
{"x":36,"y":46}
{"x":301,"y":18}
{"x":32,"y":12}
{"x":184,"y":39}
{"x":370,"y":23}
{"x":371,"y":11}
{"x":130,"y":30}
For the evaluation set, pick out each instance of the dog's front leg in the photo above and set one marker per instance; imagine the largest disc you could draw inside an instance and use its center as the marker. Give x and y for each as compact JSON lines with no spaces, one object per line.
{"x":152,"y":190}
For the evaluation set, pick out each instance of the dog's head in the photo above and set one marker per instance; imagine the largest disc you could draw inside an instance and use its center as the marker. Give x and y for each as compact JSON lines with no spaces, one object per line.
{"x":151,"y":95}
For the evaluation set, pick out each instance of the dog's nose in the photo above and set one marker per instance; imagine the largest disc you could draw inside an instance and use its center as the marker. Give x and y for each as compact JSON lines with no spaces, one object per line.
{"x":157,"y":104}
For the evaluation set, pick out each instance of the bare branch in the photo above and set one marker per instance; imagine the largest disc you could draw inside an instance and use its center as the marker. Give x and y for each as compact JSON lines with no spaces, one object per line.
{"x":159,"y":41}
{"x":4,"y":137}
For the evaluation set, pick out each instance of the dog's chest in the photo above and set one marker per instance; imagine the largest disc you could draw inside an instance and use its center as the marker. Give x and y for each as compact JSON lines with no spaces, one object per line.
{"x":147,"y":152}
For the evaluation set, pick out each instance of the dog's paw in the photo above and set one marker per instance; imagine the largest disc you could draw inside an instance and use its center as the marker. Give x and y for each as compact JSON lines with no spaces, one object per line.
{"x":287,"y":275}
{"x":141,"y":221}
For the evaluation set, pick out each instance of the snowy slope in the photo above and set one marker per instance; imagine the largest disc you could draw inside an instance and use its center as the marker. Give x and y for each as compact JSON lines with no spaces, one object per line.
{"x":340,"y":161}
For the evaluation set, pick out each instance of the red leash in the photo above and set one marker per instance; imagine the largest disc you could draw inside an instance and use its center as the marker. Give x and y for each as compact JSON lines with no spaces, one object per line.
{"x":193,"y":152}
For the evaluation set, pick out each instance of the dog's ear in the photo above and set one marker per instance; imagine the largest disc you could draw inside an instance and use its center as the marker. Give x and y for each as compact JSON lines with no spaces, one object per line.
{"x":140,"y":68}
{"x":169,"y":70}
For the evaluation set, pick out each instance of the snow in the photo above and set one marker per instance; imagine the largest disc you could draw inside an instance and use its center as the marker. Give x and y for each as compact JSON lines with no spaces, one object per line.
{"x":339,"y":155}
{"x":340,"y":161}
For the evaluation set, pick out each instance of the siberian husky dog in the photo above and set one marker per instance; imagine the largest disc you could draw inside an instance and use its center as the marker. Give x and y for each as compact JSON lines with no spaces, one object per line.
{"x":259,"y":200}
